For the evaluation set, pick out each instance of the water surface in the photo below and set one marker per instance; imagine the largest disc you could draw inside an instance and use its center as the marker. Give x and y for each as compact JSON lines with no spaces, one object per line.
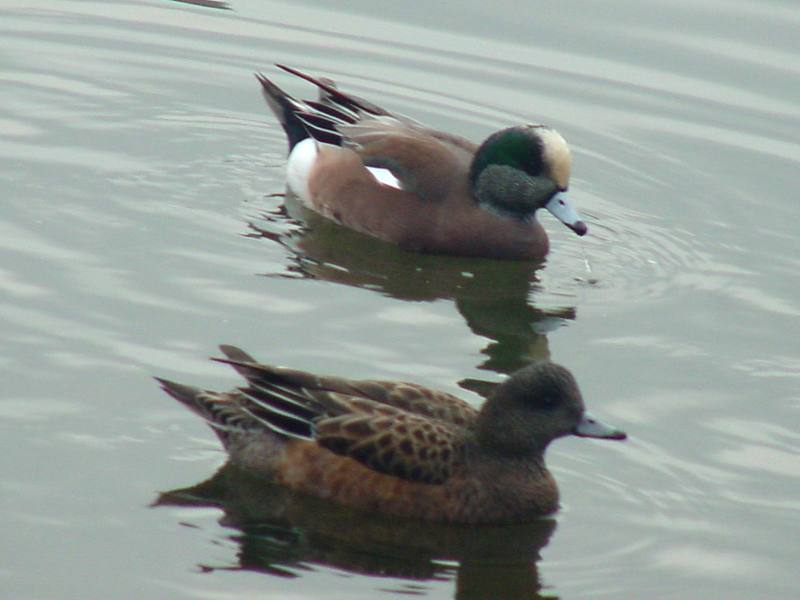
{"x":143,"y":224}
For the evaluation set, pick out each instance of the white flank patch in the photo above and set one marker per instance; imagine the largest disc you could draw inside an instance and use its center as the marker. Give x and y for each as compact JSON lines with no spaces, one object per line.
{"x":298,"y":168}
{"x":301,"y":161}
{"x":385,"y":177}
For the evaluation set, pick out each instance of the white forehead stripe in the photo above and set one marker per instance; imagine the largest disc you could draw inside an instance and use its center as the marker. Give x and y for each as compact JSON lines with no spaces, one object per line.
{"x":556,"y":155}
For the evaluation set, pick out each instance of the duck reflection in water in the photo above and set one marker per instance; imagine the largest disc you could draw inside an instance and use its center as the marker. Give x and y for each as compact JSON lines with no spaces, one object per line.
{"x":493,"y":296}
{"x":283,"y":534}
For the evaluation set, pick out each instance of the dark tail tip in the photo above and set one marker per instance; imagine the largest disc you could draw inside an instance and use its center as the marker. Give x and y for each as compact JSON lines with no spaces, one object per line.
{"x":237,"y":354}
{"x":285,"y":109}
{"x":240,"y":360}
{"x":184,"y":394}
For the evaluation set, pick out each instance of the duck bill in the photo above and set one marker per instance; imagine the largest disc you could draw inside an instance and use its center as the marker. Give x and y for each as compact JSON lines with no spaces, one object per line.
{"x":591,"y":427}
{"x":561,"y":208}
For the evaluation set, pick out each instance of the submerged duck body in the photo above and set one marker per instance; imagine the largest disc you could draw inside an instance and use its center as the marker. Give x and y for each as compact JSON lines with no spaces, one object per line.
{"x":399,"y":449}
{"x":425,"y":190}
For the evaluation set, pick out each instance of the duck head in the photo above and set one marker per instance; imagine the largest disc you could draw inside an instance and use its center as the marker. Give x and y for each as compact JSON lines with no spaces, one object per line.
{"x":518,"y":170}
{"x":536,"y":405}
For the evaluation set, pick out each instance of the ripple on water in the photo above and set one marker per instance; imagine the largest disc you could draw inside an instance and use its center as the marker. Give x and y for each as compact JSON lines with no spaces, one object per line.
{"x":139,"y":156}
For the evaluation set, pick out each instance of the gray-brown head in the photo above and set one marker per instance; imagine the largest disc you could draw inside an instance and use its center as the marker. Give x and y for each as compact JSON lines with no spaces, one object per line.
{"x":536,"y":405}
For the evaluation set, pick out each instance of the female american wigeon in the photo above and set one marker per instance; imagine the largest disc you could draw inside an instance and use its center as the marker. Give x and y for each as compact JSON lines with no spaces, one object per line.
{"x":392,"y":178}
{"x":399,"y":449}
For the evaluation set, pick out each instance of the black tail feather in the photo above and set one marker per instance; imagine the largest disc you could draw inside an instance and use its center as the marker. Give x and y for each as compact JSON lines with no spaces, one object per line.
{"x":184,"y":394}
{"x":235,"y":353}
{"x":333,"y":93}
{"x":321,"y":128}
{"x":316,"y":119}
{"x":338,"y":113}
{"x":285,"y":108}
{"x":281,"y":400}
{"x":266,"y":409}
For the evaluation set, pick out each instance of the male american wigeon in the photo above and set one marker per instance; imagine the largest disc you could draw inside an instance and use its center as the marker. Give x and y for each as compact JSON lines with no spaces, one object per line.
{"x":399,"y":449}
{"x":391,"y":177}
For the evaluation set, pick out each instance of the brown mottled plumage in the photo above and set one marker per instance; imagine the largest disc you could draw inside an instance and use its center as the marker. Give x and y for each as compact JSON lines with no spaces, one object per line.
{"x":399,"y":448}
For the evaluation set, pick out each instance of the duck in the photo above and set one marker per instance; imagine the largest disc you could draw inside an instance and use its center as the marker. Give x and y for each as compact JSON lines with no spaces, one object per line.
{"x":399,"y":449}
{"x":390,"y":177}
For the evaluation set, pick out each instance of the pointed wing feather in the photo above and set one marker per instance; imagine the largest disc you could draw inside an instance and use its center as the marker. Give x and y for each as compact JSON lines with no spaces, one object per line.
{"x":414,"y":154}
{"x":400,"y":429}
{"x":332,"y":391}
{"x":382,"y":437}
{"x":222,"y":411}
{"x":321,"y":128}
{"x":332,"y":93}
{"x":339,"y":113}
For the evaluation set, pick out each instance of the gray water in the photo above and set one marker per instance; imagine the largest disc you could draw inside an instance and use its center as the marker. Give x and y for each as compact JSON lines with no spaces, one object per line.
{"x":140,"y":227}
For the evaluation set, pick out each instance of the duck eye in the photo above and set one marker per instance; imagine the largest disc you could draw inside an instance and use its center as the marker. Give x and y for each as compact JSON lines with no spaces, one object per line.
{"x":548,"y":402}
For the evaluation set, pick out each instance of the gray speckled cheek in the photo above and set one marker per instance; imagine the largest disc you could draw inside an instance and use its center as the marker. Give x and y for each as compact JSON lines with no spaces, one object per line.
{"x":508,"y":190}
